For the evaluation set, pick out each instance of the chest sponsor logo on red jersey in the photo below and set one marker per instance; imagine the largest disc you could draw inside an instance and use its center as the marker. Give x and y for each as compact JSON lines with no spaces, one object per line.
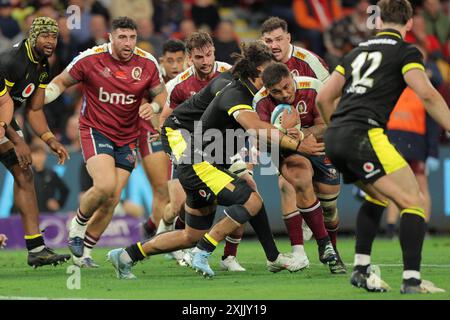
{"x":115,"y":98}
{"x":29,"y":89}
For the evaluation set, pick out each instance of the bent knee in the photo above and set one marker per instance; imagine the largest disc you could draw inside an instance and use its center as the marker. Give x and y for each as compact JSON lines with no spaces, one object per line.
{"x":254,"y":204}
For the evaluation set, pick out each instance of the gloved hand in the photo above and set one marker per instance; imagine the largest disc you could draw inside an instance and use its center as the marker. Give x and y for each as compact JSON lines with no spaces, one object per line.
{"x":432,"y":164}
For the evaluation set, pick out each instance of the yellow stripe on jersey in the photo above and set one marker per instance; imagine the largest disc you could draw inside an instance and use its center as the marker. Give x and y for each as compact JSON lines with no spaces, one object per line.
{"x":239,"y":107}
{"x":3,"y":92}
{"x":340,"y":69}
{"x":9,"y":83}
{"x":42,"y":86}
{"x":412,"y":65}
{"x":176,"y":142}
{"x":386,"y":33}
{"x":414,"y":210}
{"x":30,"y":52}
{"x":214,"y":178}
{"x":32,"y":236}
{"x":389,"y":157}
{"x":213,"y":241}
{"x":375,"y":201}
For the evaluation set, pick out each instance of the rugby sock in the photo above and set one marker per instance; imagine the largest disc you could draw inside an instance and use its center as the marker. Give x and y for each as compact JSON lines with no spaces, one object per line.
{"x":260,"y":223}
{"x":135,"y":252}
{"x":231,"y":246}
{"x":293,"y":222}
{"x":81,"y":219}
{"x":150,"y":227}
{"x":313,"y":217}
{"x":207,"y":243}
{"x":361,"y":263}
{"x":34,"y":242}
{"x":89,"y":243}
{"x":412,"y":233}
{"x":367,"y":223}
{"x":332,"y":232}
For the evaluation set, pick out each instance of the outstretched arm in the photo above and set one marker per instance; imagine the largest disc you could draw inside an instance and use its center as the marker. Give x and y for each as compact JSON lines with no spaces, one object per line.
{"x":58,"y":85}
{"x":328,"y":96}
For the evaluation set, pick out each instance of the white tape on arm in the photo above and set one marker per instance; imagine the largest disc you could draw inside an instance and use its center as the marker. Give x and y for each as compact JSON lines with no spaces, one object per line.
{"x":51,"y":92}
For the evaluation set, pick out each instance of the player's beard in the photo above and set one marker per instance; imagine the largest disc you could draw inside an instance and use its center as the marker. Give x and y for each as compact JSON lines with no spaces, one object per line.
{"x":42,"y":52}
{"x":202,"y":74}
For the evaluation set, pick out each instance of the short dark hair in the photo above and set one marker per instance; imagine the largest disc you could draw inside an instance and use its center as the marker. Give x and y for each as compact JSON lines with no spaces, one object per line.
{"x":198,"y":40}
{"x":274,"y":73}
{"x":273,"y":23}
{"x":253,"y":55}
{"x":123,"y":23}
{"x":395,"y":11}
{"x":173,"y":45}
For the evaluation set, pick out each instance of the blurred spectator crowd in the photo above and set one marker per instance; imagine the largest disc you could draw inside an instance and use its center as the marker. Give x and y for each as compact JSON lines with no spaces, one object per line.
{"x":330,"y":28}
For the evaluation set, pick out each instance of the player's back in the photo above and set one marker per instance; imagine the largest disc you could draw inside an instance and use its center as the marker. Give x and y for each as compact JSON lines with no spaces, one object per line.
{"x":374,"y":79}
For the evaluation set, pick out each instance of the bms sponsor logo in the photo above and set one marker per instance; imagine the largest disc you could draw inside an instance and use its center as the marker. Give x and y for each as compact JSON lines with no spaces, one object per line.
{"x":115,"y":98}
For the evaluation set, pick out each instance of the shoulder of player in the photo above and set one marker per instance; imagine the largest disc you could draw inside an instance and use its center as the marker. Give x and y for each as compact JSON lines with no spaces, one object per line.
{"x":308,"y":83}
{"x":90,"y":53}
{"x":146,"y":55}
{"x":183,"y":76}
{"x":314,"y":62}
{"x":222,"y":66}
{"x":260,"y":97}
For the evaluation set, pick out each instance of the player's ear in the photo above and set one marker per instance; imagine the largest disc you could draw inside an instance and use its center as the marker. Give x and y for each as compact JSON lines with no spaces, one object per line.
{"x":409,"y":24}
{"x":289,"y":37}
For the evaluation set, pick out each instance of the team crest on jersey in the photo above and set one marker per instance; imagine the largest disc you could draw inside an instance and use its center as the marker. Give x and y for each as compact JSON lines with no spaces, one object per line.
{"x":43,"y":76}
{"x":29,"y":89}
{"x":106,"y":73}
{"x":136,"y":73}
{"x":302,"y":107}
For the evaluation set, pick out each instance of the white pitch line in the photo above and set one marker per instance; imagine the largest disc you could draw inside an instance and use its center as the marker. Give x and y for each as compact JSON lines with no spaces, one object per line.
{"x":444,"y":266}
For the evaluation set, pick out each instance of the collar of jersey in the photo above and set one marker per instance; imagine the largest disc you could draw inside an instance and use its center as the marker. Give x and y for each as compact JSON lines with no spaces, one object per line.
{"x":390,"y":32}
{"x":249,"y":85}
{"x":30,"y":52}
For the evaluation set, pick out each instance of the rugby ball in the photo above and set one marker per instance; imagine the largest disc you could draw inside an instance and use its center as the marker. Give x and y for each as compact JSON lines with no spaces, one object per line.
{"x":275,"y":119}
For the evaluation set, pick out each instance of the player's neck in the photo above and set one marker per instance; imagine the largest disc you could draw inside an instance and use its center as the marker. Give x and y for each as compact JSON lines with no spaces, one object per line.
{"x":203,"y":76}
{"x":396,"y":27}
{"x":288,"y":54}
{"x":35,"y":54}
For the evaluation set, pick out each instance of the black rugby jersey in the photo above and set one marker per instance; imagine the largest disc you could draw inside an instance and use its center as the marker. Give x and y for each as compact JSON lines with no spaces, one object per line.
{"x":374,"y":80}
{"x":219,"y":118}
{"x":23,"y":73}
{"x":184,"y":116}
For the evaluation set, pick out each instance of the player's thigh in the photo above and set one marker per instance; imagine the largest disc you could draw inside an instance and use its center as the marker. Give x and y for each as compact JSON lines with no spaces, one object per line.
{"x":323,"y":188}
{"x":102,"y":169}
{"x":156,"y":166}
{"x":122,"y":180}
{"x":297,"y":170}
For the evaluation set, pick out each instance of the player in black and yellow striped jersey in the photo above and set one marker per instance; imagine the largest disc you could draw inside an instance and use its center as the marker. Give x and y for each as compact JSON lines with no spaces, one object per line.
{"x":6,"y":107}
{"x":25,"y":69}
{"x":369,"y":82}
{"x":209,"y":183}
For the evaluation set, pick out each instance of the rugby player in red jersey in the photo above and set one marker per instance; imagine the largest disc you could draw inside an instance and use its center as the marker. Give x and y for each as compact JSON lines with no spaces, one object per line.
{"x":319,"y":176}
{"x":116,"y":77}
{"x":301,"y":62}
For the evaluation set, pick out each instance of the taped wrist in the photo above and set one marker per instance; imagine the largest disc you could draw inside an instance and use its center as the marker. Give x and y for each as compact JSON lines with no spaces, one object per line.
{"x":289,"y":143}
{"x":238,"y":213}
{"x":155,"y":107}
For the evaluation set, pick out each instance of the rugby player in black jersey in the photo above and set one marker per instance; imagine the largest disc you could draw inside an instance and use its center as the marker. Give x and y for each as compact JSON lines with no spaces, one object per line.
{"x":25,"y":70}
{"x":368,"y":82}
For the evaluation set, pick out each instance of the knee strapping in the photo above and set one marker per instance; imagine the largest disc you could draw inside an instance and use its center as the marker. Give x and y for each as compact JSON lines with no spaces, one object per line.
{"x":199,"y":222}
{"x":330,"y":211}
{"x":238,"y":213}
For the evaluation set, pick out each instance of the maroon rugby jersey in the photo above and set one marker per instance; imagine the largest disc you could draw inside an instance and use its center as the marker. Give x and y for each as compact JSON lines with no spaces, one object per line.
{"x":305,"y":96}
{"x":186,"y":84}
{"x":304,"y":63}
{"x":113,"y":90}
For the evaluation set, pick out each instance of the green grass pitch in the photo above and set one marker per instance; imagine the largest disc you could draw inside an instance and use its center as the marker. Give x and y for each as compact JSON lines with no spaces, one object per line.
{"x":159,"y":278}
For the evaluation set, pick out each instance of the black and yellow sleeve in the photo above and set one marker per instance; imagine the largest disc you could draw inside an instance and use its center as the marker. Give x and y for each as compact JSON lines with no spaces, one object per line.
{"x":412,"y":59}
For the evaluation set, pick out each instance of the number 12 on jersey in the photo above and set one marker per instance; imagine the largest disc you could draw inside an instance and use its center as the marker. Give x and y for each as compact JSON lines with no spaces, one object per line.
{"x":361,"y":83}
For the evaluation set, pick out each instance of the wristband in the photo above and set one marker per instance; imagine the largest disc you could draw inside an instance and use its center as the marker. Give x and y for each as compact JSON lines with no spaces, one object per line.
{"x":4,"y":125}
{"x":302,"y":135}
{"x":47,"y":136}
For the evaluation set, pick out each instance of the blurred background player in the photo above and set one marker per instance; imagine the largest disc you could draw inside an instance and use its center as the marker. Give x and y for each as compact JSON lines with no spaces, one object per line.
{"x":155,"y":162}
{"x":319,"y":176}
{"x":25,"y":69}
{"x":367,"y":85}
{"x":113,"y":91}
